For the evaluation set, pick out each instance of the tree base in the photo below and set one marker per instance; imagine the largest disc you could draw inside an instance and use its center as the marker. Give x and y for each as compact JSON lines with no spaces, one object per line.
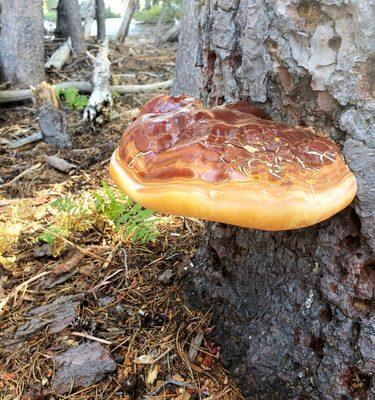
{"x":293,"y":311}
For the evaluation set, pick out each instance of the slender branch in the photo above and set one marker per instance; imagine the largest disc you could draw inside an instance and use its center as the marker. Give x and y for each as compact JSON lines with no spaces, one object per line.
{"x":11,"y":96}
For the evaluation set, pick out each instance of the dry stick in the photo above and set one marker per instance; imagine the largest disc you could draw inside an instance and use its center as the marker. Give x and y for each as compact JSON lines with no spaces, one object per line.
{"x":20,"y":287}
{"x":104,"y":282}
{"x":87,"y":336}
{"x":101,"y":94}
{"x":23,"y":173}
{"x":9,"y":96}
{"x":35,"y":137}
{"x":167,"y":383}
{"x":151,"y":362}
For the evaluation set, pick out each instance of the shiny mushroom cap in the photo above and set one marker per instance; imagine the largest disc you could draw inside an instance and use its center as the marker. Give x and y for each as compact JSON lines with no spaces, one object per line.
{"x":230,"y":164}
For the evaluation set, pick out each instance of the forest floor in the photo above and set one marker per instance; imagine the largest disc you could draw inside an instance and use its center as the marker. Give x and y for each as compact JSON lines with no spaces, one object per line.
{"x":87,"y":311}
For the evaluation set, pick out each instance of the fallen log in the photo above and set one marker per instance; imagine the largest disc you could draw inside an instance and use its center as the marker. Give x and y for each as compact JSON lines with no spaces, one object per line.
{"x":60,"y":57}
{"x":171,"y":35}
{"x":101,"y":96}
{"x":11,"y":96}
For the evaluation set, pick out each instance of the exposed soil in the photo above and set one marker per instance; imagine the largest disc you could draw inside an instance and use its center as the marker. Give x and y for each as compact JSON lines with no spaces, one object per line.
{"x":124,"y":295}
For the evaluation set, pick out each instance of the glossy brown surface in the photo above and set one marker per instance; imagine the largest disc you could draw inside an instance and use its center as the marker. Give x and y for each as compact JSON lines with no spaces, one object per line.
{"x":177,"y":138}
{"x":230,"y":164}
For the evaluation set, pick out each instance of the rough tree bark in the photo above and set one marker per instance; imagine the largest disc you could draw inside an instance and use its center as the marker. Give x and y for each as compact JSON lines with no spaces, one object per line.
{"x":100,"y":19}
{"x":75,"y":27}
{"x":294,"y":312}
{"x":22,"y":42}
{"x":125,"y":24}
{"x":62,"y":29}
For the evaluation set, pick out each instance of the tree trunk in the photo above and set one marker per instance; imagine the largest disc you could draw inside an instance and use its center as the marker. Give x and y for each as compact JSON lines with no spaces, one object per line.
{"x":171,"y":35}
{"x":62,"y":29}
{"x":125,"y":24}
{"x":159,"y":24}
{"x":22,"y":42}
{"x":73,"y":14}
{"x":137,"y":7}
{"x":89,"y":19}
{"x":294,"y":312}
{"x":147,"y":4}
{"x":100,"y":19}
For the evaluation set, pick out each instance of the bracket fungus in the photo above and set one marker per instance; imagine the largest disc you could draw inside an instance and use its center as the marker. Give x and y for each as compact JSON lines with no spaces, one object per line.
{"x":230,"y":164}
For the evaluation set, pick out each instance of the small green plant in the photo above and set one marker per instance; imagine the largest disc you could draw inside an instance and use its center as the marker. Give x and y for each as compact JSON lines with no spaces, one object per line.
{"x":51,"y":234}
{"x":138,"y":223}
{"x":72,"y":216}
{"x":106,"y":206}
{"x":73,"y":99}
{"x":70,"y":205}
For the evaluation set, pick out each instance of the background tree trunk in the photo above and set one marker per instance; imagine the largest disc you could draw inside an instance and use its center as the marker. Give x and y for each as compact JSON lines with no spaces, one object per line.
{"x":22,"y":42}
{"x":100,"y":19}
{"x":147,"y":4}
{"x":160,"y":23}
{"x":62,"y":28}
{"x":294,"y":312}
{"x":125,"y":24}
{"x":89,"y":19}
{"x":137,"y":7}
{"x":74,"y":18}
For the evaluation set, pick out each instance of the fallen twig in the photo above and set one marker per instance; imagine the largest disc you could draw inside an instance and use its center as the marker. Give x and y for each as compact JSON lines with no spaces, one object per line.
{"x":105,"y":281}
{"x":19,"y":176}
{"x":35,"y":137}
{"x":87,"y":336}
{"x":150,"y":360}
{"x":101,"y":95}
{"x":9,"y":96}
{"x":156,"y":391}
{"x":20,"y":287}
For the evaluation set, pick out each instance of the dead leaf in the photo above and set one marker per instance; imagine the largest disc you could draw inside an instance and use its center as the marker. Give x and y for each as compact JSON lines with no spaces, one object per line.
{"x":183,"y":395}
{"x":59,"y":164}
{"x":152,"y":375}
{"x":194,"y":346}
{"x":145,"y":359}
{"x":178,"y":378}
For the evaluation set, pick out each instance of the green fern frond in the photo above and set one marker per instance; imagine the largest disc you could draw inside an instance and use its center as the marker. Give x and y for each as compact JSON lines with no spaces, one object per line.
{"x":73,"y":99}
